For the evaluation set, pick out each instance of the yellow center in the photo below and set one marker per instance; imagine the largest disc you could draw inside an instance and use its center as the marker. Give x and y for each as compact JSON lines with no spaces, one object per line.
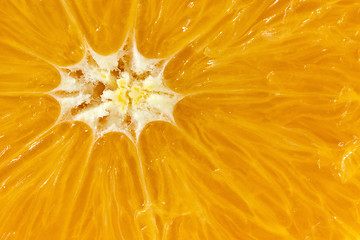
{"x":121,"y":96}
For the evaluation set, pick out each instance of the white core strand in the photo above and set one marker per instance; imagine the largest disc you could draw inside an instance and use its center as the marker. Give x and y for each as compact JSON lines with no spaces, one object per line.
{"x":121,"y":92}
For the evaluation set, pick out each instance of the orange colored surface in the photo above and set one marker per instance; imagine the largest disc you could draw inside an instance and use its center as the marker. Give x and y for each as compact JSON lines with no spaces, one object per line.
{"x":266,"y":141}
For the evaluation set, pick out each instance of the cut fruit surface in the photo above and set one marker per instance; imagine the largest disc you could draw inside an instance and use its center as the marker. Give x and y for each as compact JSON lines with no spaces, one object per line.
{"x":22,"y":119}
{"x":104,"y":24}
{"x":163,"y":28}
{"x":106,"y":174}
{"x":20,"y":72}
{"x":65,"y":145}
{"x":166,"y":120}
{"x":43,"y":29}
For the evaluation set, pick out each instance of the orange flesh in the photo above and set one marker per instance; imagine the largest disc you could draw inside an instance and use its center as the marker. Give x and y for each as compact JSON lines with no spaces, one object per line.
{"x":265,"y":143}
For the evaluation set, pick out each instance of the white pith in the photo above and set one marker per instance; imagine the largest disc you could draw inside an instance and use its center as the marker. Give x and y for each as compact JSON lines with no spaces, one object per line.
{"x":110,"y":98}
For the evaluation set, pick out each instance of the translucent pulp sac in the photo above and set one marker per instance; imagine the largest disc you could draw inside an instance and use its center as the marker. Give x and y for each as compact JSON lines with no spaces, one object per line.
{"x":117,"y":93}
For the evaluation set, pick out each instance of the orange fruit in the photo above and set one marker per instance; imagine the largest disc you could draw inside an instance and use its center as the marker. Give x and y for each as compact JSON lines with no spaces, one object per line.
{"x":179,"y":119}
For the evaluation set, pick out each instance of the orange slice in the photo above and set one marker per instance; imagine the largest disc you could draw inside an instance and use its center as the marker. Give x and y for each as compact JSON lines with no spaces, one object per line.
{"x":179,"y":119}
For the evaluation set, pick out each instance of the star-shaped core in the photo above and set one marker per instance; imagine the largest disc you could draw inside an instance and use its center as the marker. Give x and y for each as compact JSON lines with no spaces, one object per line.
{"x":121,"y":92}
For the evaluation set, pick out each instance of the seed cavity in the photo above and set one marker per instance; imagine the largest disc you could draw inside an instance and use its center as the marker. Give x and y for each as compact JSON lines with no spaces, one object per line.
{"x":121,"y":92}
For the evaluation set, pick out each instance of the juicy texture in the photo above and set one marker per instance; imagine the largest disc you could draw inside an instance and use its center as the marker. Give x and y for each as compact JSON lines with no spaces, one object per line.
{"x":265,"y":143}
